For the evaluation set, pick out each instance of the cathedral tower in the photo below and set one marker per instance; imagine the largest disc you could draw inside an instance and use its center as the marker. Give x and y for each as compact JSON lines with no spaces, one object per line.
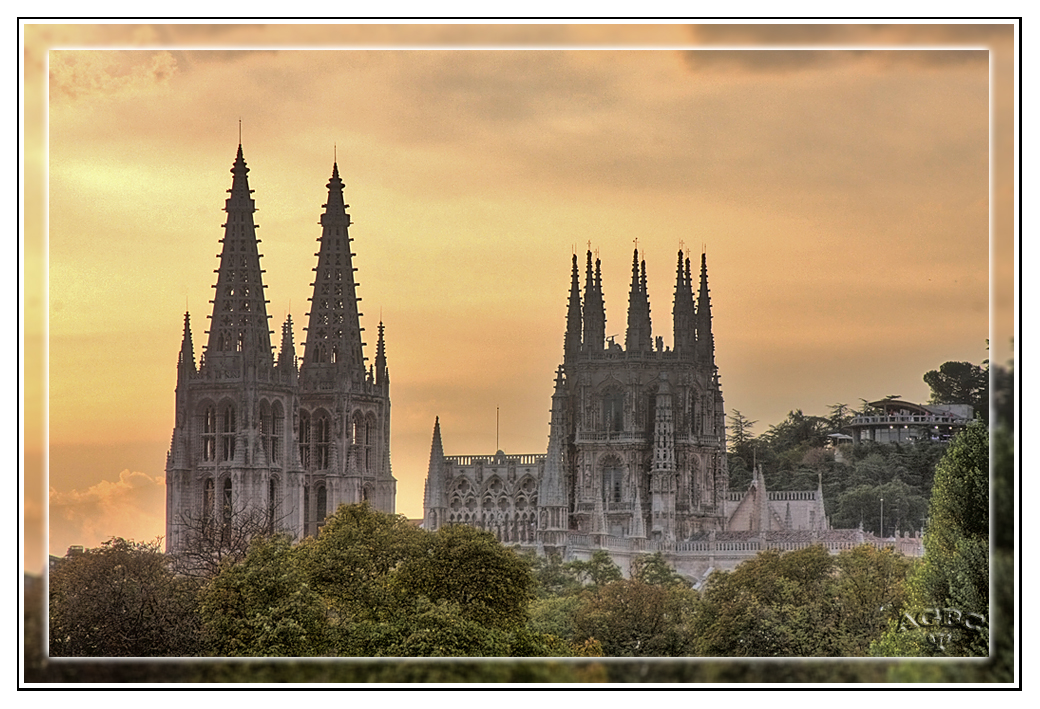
{"x":639,"y":432}
{"x":228,"y":465}
{"x":344,"y":417}
{"x":261,"y":444}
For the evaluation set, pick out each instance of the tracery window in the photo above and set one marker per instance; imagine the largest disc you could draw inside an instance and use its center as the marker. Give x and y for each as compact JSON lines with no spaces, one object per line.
{"x":613,"y":410}
{"x":277,"y":427}
{"x":613,"y":475}
{"x":209,"y":434}
{"x":322,"y":442}
{"x":305,"y":440}
{"x":227,"y":433}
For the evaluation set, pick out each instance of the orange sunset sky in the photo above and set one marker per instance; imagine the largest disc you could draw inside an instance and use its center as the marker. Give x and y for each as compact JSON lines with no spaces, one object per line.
{"x":842,"y":193}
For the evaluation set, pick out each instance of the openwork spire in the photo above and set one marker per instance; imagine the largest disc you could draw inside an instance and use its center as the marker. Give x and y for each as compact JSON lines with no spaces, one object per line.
{"x":705,"y":339}
{"x":572,"y":338}
{"x":593,"y":315}
{"x":684,"y":333}
{"x":287,"y":352}
{"x":334,"y":329}
{"x":186,"y":357}
{"x":638,"y":336}
{"x":239,"y":320}
{"x":381,"y":373}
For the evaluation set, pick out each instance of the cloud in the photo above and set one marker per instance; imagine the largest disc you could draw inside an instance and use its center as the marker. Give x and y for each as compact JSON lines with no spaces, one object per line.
{"x":78,"y":73}
{"x":132,"y":507}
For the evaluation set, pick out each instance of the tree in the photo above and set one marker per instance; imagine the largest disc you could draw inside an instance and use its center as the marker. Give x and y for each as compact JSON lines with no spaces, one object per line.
{"x":597,"y":571}
{"x":954,"y":573}
{"x":803,"y":603}
{"x":467,"y":566}
{"x":652,"y":569}
{"x":961,"y":383}
{"x":121,"y":600}
{"x":207,"y":544}
{"x":630,"y":618}
{"x":263,"y":606}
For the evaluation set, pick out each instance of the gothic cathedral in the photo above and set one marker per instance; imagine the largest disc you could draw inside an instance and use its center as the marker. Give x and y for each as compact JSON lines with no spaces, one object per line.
{"x":275,"y":441}
{"x":637,"y":443}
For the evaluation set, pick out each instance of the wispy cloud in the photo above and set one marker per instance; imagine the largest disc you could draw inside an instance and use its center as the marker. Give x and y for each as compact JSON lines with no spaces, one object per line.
{"x":131,"y":507}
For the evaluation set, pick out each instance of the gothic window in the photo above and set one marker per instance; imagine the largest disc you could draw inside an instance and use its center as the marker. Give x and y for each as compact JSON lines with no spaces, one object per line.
{"x":265,"y":429}
{"x":241,"y":342}
{"x":272,"y":491}
{"x":335,"y":354}
{"x":277,"y":426}
{"x":370,"y":426}
{"x":209,"y":434}
{"x":613,"y":408}
{"x":227,"y":433}
{"x":322,"y":442}
{"x":208,"y":498}
{"x":307,"y":527}
{"x":612,"y":478}
{"x":322,"y":506}
{"x":305,"y":440}
{"x":226,"y":510}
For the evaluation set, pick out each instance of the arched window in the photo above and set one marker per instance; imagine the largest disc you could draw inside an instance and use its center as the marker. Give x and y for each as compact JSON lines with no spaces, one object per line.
{"x":370,"y":430}
{"x":322,"y":506}
{"x":209,"y":434}
{"x":613,"y":410}
{"x":208,"y":498}
{"x":305,"y":440}
{"x":272,"y":502}
{"x":226,"y":510}
{"x":227,"y":433}
{"x":265,"y":429}
{"x":322,"y":431}
{"x":612,"y":479}
{"x":277,"y":427}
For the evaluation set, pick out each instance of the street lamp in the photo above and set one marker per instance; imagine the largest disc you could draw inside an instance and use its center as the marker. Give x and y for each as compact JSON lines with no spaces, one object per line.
{"x":881,"y":532}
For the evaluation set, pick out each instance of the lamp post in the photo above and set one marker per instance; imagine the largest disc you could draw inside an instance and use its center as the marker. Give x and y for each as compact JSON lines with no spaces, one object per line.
{"x":881,"y":532}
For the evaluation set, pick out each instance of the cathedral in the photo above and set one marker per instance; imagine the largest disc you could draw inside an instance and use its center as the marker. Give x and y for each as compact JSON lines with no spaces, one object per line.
{"x":637,"y":442}
{"x":636,"y":460}
{"x":274,"y":441}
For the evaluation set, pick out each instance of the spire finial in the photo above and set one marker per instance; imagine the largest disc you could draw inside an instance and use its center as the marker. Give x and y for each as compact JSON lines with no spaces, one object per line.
{"x":240,"y":131}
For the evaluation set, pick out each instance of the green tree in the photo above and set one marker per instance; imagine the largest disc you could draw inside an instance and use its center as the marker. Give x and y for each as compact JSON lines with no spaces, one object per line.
{"x":121,"y":600}
{"x":961,"y":383}
{"x":350,"y":563}
{"x":955,"y":570}
{"x":630,"y":618}
{"x":263,"y":606}
{"x":467,"y":566}
{"x":597,"y":571}
{"x":652,"y":569}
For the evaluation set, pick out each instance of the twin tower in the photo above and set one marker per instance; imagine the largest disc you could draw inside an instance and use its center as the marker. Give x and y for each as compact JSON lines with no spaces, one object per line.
{"x":263,"y":442}
{"x":637,"y":445}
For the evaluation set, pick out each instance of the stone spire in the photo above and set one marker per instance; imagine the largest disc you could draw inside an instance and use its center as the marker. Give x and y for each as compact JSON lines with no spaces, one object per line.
{"x":638,"y":525}
{"x":435,"y":500}
{"x":238,"y":325}
{"x":572,"y":338}
{"x":683,"y":328}
{"x":638,"y":335}
{"x":382,"y":374}
{"x":705,"y":340}
{"x":595,"y":321}
{"x":287,"y":352}
{"x":552,"y":490}
{"x":334,"y":330}
{"x":662,"y":472}
{"x":186,"y":357}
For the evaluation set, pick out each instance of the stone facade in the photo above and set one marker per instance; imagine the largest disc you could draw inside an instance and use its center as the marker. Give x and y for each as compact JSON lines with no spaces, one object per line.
{"x":259,"y":437}
{"x":637,"y":444}
{"x":636,"y":461}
